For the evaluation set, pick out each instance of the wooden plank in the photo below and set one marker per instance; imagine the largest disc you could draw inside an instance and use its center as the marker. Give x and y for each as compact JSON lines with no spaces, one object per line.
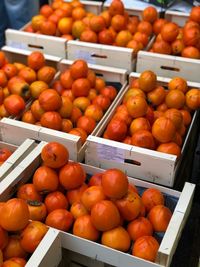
{"x":48,"y":253}
{"x":102,"y":54}
{"x":18,"y":155}
{"x":176,"y":225}
{"x":50,"y":45}
{"x":108,"y":154}
{"x":178,"y":17}
{"x":73,"y":259}
{"x":102,"y":253}
{"x":168,"y":65}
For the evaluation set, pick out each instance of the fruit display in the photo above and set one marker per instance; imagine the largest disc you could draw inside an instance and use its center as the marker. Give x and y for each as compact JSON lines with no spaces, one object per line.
{"x":113,"y":26}
{"x":105,"y":207}
{"x":154,"y":116}
{"x":19,"y":82}
{"x":5,"y":153}
{"x":171,"y":39}
{"x":75,"y":103}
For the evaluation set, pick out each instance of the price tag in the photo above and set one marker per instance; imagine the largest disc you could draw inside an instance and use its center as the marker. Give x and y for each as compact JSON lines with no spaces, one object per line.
{"x":86,"y":56}
{"x":110,"y":153}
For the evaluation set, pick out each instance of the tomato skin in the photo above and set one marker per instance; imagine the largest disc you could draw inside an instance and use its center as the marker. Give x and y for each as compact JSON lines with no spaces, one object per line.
{"x":14,"y":248}
{"x":55,"y":155}
{"x":45,"y":179}
{"x":56,"y":200}
{"x":14,"y":262}
{"x":14,"y":215}
{"x":75,"y":170}
{"x":32,"y":235}
{"x":60,"y":219}
{"x":5,"y":153}
{"x":14,"y":104}
{"x":28,"y":192}
{"x":3,"y":238}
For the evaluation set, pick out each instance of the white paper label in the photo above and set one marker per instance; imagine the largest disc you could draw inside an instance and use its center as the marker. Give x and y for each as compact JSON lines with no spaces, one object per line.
{"x":110,"y":153}
{"x":16,"y":44}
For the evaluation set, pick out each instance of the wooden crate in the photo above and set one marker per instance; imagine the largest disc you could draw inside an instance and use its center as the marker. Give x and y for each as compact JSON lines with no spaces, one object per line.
{"x":18,"y":154}
{"x":51,"y":247}
{"x":72,"y":142}
{"x":146,"y":164}
{"x":106,"y":55}
{"x":169,"y":65}
{"x":50,"y":45}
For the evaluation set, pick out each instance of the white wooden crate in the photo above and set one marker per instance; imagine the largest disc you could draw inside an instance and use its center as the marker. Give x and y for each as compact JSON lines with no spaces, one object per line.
{"x":72,"y":142}
{"x":50,"y":45}
{"x":169,"y":65}
{"x":154,"y":166}
{"x":49,"y":250}
{"x":106,"y":55}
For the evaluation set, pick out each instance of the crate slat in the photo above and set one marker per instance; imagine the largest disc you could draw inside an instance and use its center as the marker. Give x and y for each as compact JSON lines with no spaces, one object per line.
{"x":50,"y":45}
{"x":19,"y":153}
{"x":48,"y":253}
{"x":102,"y":54}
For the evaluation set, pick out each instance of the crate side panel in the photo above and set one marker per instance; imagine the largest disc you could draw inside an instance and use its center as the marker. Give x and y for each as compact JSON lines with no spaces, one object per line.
{"x":176,"y":225}
{"x":177,"y":17}
{"x":168,"y":66}
{"x":101,"y":54}
{"x":49,"y":45}
{"x":9,"y":127}
{"x":48,"y":253}
{"x":136,"y":162}
{"x":102,"y":253}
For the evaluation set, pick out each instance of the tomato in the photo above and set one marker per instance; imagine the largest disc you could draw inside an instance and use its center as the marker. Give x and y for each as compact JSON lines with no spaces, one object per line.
{"x":60,"y":219}
{"x":14,"y":104}
{"x":56,"y":200}
{"x":3,"y":238}
{"x":32,"y":235}
{"x":54,"y":155}
{"x":14,"y":248}
{"x":5,"y":153}
{"x":14,"y":215}
{"x":28,"y":192}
